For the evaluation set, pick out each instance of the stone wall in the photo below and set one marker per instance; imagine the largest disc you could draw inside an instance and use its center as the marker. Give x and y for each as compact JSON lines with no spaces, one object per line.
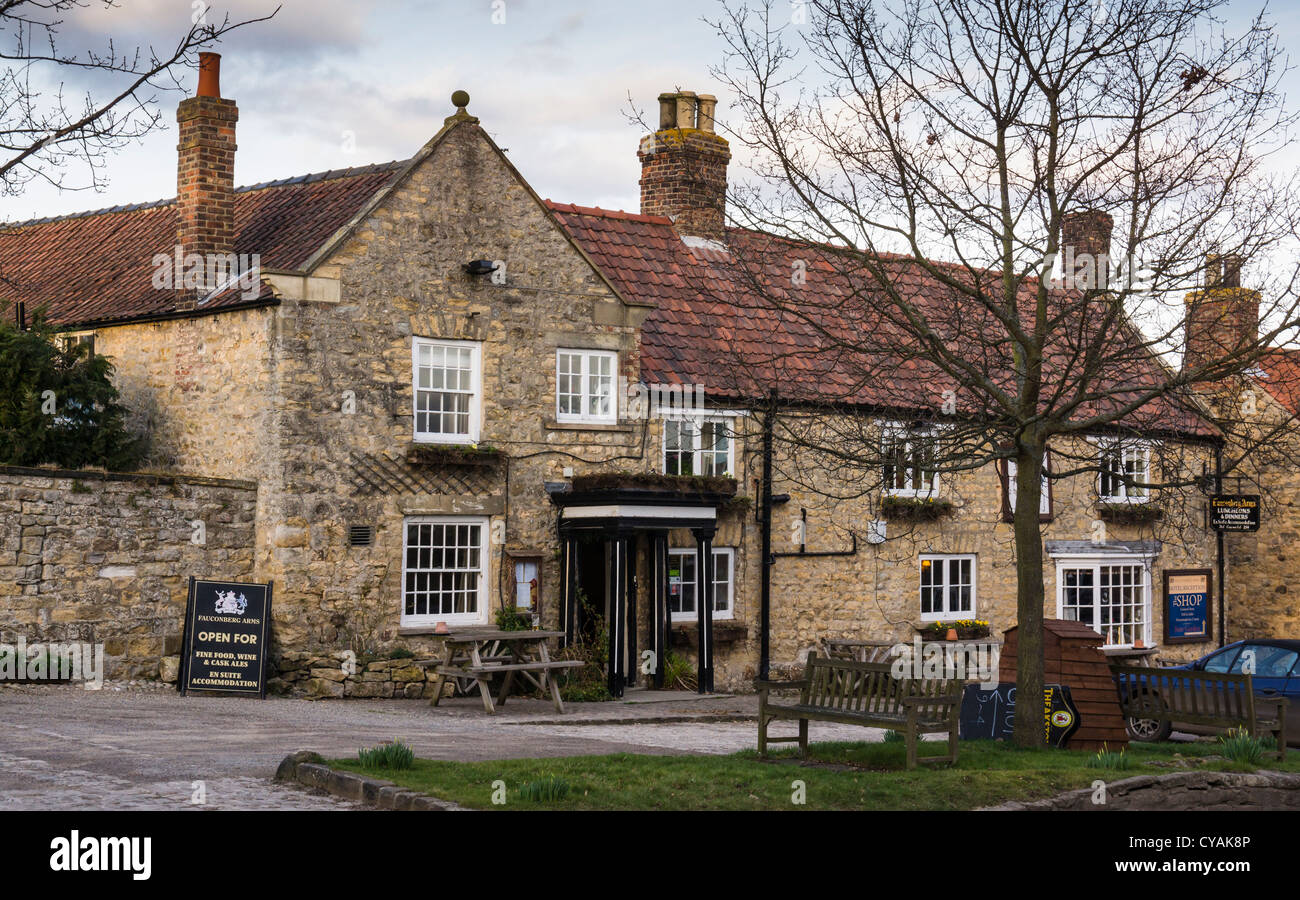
{"x":198,"y":388}
{"x":320,"y":676}
{"x":1262,"y":599}
{"x":105,"y":558}
{"x":875,"y":593}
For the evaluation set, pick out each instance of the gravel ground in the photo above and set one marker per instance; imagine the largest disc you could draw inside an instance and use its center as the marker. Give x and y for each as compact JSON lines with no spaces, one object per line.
{"x":141,"y":747}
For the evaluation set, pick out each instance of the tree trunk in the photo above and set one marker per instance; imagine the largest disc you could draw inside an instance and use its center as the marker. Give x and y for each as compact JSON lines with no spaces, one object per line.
{"x":1029,"y":594}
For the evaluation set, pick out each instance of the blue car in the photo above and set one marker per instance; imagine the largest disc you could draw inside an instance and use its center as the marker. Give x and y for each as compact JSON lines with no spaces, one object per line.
{"x":1276,"y":674}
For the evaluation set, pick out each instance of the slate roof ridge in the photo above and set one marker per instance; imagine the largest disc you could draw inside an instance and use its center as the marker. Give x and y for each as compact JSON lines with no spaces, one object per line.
{"x":327,"y":175}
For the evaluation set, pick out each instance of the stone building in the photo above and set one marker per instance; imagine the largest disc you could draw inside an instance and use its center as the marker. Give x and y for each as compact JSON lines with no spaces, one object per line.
{"x":1223,"y":317}
{"x":446,"y":391}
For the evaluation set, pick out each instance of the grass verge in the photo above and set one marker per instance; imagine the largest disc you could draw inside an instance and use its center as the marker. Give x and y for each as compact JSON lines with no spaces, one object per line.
{"x":845,"y":776}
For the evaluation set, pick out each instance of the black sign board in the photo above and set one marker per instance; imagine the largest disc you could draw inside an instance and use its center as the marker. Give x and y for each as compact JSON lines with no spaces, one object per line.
{"x":227,"y":625}
{"x":1234,"y":512}
{"x":990,"y":713}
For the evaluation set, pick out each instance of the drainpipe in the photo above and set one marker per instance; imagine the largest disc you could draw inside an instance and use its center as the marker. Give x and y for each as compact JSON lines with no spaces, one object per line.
{"x":765,"y":601}
{"x":1218,"y":489}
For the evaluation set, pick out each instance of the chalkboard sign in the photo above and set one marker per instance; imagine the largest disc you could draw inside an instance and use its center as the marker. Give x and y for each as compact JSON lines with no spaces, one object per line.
{"x":1234,"y":512}
{"x":990,"y":713}
{"x":225,"y":643}
{"x":1187,"y":605}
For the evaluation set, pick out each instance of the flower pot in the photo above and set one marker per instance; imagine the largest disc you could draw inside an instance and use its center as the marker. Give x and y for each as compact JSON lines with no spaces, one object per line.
{"x":951,"y":635}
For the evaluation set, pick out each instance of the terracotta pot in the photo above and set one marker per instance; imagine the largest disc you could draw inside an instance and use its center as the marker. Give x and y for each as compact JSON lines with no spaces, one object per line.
{"x":952,"y":634}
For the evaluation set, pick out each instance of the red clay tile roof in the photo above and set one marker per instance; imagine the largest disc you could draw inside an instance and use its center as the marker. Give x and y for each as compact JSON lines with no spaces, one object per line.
{"x":96,"y":267}
{"x":1281,"y":377}
{"x":729,"y":319}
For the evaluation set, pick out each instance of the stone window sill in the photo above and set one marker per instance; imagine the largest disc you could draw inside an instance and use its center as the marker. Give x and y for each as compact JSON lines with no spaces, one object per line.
{"x":615,"y":428}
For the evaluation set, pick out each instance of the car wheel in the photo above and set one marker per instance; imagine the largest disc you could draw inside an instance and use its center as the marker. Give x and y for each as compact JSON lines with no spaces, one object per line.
{"x":1149,"y":729}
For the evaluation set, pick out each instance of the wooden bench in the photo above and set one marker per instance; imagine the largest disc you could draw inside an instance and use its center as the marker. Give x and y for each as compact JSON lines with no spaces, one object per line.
{"x":1218,"y":699}
{"x":867,"y":694}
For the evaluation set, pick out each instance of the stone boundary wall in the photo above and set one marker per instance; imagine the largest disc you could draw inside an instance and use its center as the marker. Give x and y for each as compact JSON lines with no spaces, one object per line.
{"x":325,"y":675}
{"x":105,"y":557}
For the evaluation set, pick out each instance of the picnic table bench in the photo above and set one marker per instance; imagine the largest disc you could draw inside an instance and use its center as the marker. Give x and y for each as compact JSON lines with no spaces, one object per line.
{"x":1219,"y":699}
{"x":862,"y":651}
{"x":867,"y":694}
{"x":472,"y":658}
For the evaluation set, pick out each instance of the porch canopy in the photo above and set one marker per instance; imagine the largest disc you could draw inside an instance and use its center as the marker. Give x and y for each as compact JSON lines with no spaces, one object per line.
{"x":618,"y":509}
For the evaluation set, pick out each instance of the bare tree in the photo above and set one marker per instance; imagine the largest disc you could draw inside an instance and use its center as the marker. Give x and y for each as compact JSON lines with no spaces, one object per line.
{"x":47,"y":129}
{"x":917,"y":163}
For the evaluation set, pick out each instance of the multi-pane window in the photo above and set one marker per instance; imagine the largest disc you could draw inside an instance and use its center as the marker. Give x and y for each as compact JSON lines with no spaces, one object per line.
{"x":1112,"y":599}
{"x":444,"y":571}
{"x":909,"y":461}
{"x":584,"y":386}
{"x":698,"y":446}
{"x":73,"y":341}
{"x":947,"y":587}
{"x":1125,"y":470}
{"x":1044,"y":499}
{"x":447,"y":379}
{"x":681,"y":583}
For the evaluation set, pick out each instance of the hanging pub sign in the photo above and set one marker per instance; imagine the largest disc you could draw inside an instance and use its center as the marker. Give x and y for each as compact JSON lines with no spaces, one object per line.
{"x":225,"y":643}
{"x":990,"y":713}
{"x":1187,"y":606}
{"x":1234,"y":512}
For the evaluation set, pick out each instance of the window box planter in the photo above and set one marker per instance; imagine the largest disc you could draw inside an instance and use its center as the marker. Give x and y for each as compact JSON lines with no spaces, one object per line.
{"x":685,"y":635}
{"x":915,"y":509}
{"x":967,"y":630}
{"x":453,"y":455}
{"x":654,"y":482}
{"x":1129,"y":513}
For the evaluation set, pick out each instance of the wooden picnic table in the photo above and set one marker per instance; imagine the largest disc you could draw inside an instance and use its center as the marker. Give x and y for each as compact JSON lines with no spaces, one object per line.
{"x":476,"y":656}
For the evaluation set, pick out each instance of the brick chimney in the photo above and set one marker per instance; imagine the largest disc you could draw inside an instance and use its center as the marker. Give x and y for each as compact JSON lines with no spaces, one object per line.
{"x":1085,"y":248}
{"x":684,"y":166}
{"x":205,"y":171}
{"x":1223,"y":316}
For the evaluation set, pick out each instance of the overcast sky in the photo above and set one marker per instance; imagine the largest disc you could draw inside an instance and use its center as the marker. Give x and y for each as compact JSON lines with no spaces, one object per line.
{"x":329,"y":84}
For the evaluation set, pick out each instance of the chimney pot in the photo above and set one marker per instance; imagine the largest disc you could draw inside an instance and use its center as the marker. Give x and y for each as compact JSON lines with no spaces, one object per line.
{"x":686,"y":109}
{"x":667,"y":111}
{"x":1232,"y":270}
{"x":1213,"y":270}
{"x":209,"y":75}
{"x":707,"y":104}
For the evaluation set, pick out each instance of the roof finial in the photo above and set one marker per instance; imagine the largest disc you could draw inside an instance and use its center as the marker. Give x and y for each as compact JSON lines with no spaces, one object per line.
{"x":461,"y":100}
